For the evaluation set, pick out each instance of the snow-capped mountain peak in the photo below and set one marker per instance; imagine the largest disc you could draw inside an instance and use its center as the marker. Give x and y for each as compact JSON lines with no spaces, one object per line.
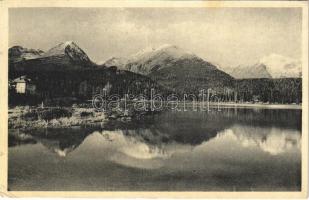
{"x":61,"y":48}
{"x":68,"y":48}
{"x":170,"y":47}
{"x":151,"y":59}
{"x":68,"y":43}
{"x":271,"y":66}
{"x":169,"y":50}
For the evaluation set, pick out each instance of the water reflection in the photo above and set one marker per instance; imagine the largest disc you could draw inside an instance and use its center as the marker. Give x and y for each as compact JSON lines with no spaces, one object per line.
{"x":271,"y":140}
{"x":171,"y":151}
{"x":58,"y":141}
{"x":132,"y":149}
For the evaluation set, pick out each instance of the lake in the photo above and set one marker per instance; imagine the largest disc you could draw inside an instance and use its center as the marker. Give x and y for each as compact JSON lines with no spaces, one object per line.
{"x":231,"y":149}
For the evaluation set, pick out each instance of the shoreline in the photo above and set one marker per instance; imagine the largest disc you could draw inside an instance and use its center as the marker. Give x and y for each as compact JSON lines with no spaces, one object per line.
{"x":25,"y":118}
{"x":259,"y":105}
{"x":241,"y":105}
{"x":29,"y":118}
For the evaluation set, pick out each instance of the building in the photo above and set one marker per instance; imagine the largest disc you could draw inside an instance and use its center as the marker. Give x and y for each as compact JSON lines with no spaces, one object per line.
{"x":23,"y":85}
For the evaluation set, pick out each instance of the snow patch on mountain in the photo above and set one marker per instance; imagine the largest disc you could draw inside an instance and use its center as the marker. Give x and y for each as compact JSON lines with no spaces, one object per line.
{"x":167,"y":49}
{"x":152,"y":59}
{"x":116,"y":61}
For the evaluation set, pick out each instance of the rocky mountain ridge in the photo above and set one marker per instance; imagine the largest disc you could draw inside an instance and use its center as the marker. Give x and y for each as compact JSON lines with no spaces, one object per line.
{"x":271,"y":66}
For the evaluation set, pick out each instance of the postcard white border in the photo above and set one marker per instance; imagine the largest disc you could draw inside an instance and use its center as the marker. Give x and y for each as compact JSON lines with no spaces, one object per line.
{"x":5,"y":5}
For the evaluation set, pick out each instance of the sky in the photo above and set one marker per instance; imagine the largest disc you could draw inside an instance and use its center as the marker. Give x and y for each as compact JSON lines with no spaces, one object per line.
{"x":224,"y":36}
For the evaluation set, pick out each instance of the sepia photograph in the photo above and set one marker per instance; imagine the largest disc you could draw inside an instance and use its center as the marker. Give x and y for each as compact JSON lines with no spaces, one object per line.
{"x":157,"y":98}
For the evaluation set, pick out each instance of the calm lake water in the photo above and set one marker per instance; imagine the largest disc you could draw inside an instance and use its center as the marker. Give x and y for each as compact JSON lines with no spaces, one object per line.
{"x":232,"y":150}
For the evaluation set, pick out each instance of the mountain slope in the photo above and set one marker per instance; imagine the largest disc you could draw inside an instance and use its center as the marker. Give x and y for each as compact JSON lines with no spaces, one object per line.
{"x":178,"y":70}
{"x":189,"y":76}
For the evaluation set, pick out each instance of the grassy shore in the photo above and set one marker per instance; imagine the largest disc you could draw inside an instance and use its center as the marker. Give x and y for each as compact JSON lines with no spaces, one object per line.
{"x":25,"y":117}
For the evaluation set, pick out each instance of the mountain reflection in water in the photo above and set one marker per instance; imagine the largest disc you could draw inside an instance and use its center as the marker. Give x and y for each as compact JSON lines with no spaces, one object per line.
{"x":239,"y":149}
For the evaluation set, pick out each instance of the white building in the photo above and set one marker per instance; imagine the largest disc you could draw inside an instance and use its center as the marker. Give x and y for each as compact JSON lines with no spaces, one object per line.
{"x":23,"y":85}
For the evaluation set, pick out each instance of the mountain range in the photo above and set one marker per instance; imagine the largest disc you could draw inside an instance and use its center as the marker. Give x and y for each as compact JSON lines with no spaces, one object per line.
{"x":151,"y":60}
{"x":169,"y":67}
{"x":68,"y":55}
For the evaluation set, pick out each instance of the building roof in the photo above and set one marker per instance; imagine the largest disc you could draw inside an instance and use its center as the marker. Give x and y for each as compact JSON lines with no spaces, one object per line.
{"x":21,"y":79}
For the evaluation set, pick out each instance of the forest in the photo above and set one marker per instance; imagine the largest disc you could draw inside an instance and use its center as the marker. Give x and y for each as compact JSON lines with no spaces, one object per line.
{"x":283,"y":90}
{"x":80,"y":85}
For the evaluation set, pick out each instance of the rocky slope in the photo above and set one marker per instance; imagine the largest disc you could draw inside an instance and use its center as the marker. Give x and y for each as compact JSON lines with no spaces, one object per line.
{"x":116,"y":61}
{"x":18,"y":53}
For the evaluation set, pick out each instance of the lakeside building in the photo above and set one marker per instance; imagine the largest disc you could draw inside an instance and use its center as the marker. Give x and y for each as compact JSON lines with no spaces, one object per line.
{"x":23,"y":85}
